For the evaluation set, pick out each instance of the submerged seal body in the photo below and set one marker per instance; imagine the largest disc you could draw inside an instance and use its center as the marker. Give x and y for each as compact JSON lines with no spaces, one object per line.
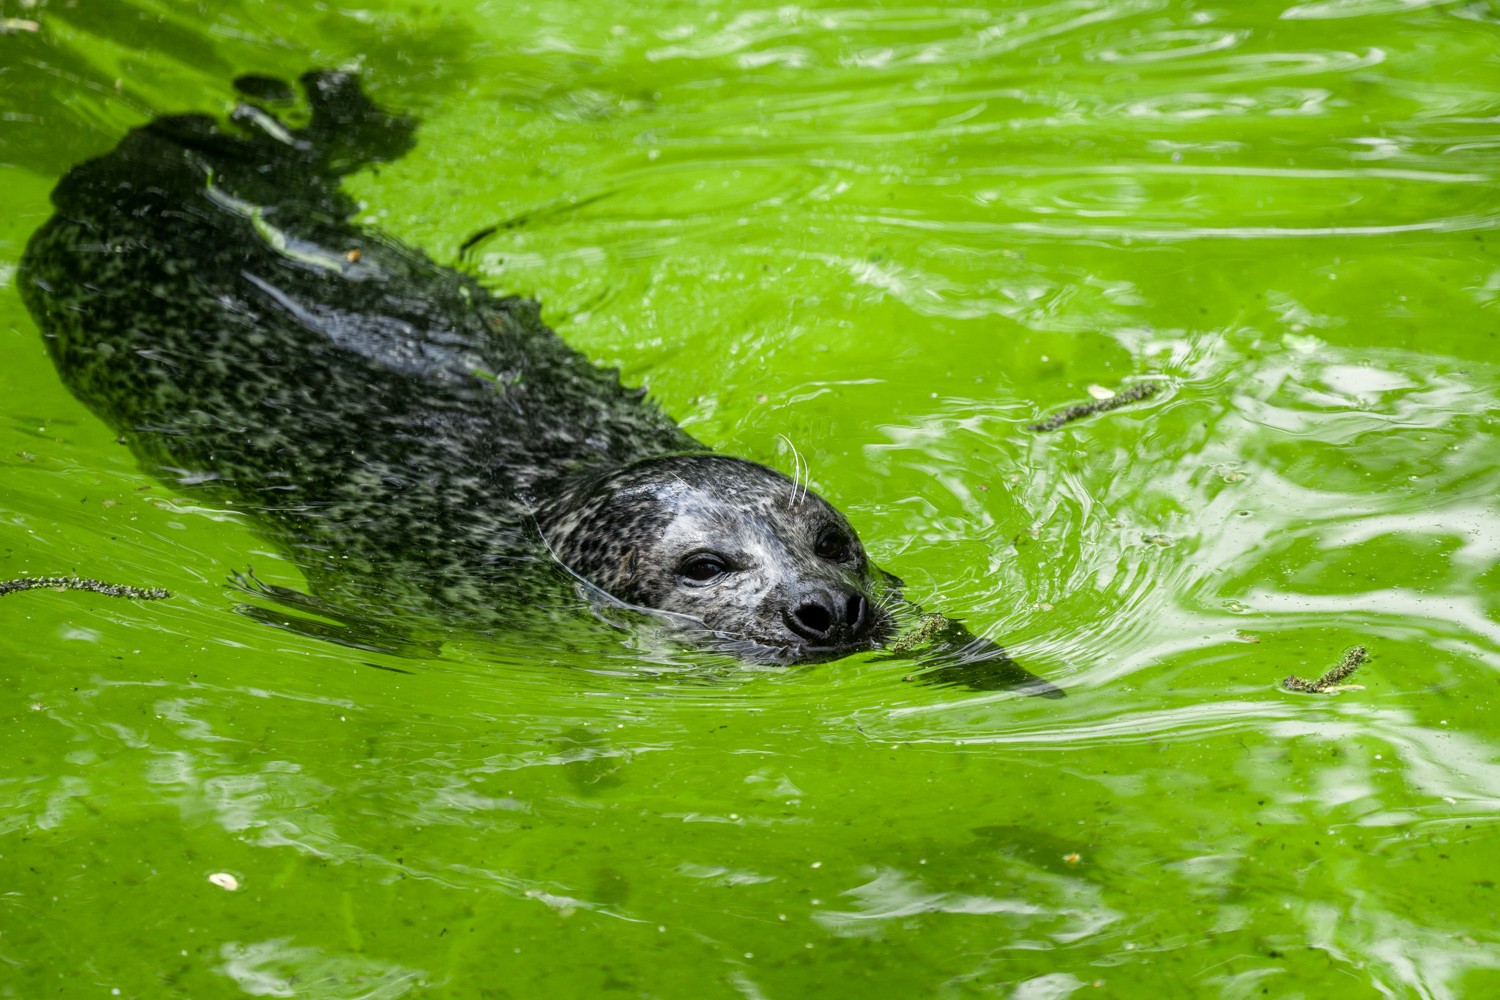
{"x":417,"y":443}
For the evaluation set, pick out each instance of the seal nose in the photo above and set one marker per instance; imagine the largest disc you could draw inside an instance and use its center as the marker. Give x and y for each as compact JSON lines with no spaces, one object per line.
{"x":828,"y":617}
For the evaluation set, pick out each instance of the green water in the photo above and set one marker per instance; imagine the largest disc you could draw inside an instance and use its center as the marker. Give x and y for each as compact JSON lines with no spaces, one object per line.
{"x":888,"y":237}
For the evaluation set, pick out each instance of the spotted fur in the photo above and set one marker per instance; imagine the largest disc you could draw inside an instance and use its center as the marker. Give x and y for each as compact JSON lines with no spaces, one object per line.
{"x":416,"y":442}
{"x":661,"y":512}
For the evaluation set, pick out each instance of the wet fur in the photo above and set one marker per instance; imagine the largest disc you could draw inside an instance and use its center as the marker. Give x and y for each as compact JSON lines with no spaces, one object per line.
{"x":389,"y":420}
{"x":418,"y":444}
{"x":656,"y":511}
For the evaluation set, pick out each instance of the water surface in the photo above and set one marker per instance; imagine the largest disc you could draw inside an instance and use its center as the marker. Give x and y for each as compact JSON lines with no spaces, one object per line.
{"x":873,"y":243}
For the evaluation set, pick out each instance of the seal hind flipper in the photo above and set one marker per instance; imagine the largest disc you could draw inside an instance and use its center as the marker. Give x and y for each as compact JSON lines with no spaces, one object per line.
{"x":348,"y":130}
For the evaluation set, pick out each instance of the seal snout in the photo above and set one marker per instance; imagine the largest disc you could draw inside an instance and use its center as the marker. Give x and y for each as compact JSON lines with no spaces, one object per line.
{"x":826,"y":616}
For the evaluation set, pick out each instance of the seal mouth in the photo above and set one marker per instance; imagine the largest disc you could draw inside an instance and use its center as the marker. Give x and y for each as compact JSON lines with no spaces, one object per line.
{"x":860,"y":628}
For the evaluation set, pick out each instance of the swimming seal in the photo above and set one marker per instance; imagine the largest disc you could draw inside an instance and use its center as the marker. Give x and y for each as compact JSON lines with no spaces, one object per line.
{"x":419,"y":445}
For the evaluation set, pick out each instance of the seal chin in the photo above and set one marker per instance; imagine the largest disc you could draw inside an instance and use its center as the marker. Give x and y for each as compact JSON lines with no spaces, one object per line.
{"x":788,"y":655}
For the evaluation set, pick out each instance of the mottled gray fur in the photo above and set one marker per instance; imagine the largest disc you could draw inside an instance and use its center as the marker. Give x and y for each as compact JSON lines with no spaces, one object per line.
{"x":422,"y":447}
{"x":633,"y":530}
{"x":390,"y":421}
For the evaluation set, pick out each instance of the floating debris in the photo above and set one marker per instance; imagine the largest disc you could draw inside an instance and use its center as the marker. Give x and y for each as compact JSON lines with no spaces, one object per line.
{"x":82,"y":583}
{"x":224,"y":880}
{"x":1329,"y":682}
{"x":928,"y":628}
{"x":1161,"y":540}
{"x":1135,"y":393}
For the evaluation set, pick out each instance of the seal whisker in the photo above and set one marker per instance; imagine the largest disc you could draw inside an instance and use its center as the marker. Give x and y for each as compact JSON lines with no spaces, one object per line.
{"x":801,"y":472}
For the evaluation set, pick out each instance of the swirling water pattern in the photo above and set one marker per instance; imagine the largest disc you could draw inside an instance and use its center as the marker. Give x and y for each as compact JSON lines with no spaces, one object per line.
{"x":874,"y":243}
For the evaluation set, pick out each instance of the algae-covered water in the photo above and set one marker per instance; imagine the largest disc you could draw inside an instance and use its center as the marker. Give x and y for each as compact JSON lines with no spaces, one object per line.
{"x":871,"y":242}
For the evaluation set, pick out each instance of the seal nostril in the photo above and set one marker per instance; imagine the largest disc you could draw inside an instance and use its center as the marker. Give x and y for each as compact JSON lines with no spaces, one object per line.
{"x":814,"y":618}
{"x":854,"y":612}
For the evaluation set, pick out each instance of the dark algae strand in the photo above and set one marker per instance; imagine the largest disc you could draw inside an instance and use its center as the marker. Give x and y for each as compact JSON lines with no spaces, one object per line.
{"x":82,"y":583}
{"x":1124,"y":397}
{"x":1333,"y":680}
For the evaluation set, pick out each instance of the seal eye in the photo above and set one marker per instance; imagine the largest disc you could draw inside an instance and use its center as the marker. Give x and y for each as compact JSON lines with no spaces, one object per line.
{"x":703,"y":568}
{"x":832,"y":544}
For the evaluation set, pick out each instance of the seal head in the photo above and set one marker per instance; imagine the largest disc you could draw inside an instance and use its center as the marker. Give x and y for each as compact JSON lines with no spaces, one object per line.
{"x":764,"y":566}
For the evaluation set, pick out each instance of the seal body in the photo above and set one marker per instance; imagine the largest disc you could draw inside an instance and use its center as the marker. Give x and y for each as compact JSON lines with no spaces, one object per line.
{"x":416,"y":442}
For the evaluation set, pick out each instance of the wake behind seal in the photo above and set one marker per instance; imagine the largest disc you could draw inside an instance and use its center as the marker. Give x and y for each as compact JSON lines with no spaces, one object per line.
{"x":419,"y":445}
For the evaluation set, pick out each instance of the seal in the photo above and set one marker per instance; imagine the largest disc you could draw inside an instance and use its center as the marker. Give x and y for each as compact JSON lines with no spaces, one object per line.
{"x":423,"y":448}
